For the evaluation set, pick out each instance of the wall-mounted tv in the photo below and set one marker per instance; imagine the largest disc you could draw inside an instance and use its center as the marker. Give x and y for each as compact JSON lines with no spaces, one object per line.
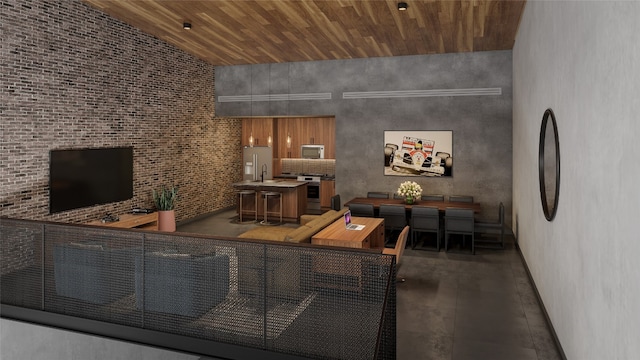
{"x":85,"y":177}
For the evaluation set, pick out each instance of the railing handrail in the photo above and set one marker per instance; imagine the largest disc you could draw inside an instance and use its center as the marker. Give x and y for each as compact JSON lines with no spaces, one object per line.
{"x":305,"y":258}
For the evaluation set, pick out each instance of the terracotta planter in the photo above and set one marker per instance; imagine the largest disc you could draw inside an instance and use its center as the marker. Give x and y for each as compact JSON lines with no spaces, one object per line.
{"x":167,"y":220}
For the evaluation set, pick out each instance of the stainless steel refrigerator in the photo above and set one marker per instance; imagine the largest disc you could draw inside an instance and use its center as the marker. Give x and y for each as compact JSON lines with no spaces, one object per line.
{"x":256,"y":161}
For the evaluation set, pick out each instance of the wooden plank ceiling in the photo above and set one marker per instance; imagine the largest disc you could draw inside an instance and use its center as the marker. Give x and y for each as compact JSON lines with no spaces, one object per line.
{"x":232,"y":32}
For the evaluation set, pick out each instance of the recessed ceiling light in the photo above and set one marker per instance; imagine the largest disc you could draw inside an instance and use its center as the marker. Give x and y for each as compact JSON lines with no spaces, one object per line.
{"x":402,"y":6}
{"x":186,"y":26}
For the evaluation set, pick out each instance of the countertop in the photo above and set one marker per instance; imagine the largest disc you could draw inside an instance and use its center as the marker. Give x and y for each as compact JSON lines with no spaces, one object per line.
{"x":295,"y":176}
{"x":270,"y":183}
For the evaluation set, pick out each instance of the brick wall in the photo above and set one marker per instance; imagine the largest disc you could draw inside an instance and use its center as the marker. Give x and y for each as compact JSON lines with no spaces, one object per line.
{"x":73,"y":77}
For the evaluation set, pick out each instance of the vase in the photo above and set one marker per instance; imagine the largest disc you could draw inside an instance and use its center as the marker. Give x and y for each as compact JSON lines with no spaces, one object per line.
{"x":167,"y":220}
{"x":408,"y":200}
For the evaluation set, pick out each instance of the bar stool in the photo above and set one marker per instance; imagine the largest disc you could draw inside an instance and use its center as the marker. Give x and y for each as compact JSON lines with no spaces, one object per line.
{"x":273,"y":195}
{"x":241,"y":196}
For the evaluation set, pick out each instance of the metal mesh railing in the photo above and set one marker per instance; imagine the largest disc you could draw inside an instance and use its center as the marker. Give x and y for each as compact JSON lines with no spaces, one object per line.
{"x":299,"y":300}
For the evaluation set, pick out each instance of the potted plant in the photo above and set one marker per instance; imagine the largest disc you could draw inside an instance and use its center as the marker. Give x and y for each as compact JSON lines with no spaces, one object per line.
{"x":165,"y":201}
{"x":410,"y":190}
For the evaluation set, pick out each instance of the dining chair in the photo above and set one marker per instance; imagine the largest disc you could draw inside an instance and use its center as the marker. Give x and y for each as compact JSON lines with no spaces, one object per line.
{"x":461,"y":198}
{"x":397,"y":196}
{"x":482,"y":226}
{"x":335,"y":202}
{"x":378,"y":194}
{"x":398,"y":250}
{"x":432,"y":197}
{"x":395,"y":219}
{"x":460,"y":222}
{"x":365,"y":210}
{"x":425,"y":219}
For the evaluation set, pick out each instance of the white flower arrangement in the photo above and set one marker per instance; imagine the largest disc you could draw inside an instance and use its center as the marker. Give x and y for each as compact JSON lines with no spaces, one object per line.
{"x":410,"y":189}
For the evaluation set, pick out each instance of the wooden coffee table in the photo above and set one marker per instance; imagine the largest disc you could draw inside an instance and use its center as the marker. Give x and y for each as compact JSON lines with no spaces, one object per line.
{"x":131,"y":221}
{"x":336,"y":234}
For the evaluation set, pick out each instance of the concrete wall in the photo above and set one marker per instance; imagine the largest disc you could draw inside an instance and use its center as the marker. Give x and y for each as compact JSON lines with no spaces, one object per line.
{"x":73,"y":77}
{"x":17,"y":339}
{"x":581,"y":59}
{"x":481,"y":124}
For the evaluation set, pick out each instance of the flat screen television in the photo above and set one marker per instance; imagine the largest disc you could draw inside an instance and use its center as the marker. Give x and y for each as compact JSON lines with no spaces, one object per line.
{"x":84,"y":177}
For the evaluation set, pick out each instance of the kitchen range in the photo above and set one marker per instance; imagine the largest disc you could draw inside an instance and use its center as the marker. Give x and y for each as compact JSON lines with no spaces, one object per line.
{"x":313,"y":191}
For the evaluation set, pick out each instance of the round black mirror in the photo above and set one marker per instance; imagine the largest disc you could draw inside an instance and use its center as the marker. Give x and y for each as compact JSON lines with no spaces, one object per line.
{"x":549,"y":165}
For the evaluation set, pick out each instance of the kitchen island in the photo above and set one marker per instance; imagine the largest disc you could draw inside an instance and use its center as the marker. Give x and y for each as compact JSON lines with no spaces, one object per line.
{"x":294,"y":199}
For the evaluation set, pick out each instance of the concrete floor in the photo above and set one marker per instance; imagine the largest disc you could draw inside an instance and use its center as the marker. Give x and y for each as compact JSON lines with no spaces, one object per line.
{"x":453,"y":305}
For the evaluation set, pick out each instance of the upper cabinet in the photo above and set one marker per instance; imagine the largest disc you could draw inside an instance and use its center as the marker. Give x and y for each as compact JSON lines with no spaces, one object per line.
{"x":295,"y":132}
{"x":261,"y":129}
{"x":312,"y":131}
{"x":289,"y":134}
{"x":325,"y":135}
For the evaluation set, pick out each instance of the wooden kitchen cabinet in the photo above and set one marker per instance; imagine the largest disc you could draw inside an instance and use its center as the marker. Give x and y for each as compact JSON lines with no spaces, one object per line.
{"x":316,"y":130}
{"x":328,"y":139}
{"x":261,"y":129}
{"x":294,"y":200}
{"x":288,"y":127}
{"x":327,"y":190}
{"x":312,"y":132}
{"x":320,"y":131}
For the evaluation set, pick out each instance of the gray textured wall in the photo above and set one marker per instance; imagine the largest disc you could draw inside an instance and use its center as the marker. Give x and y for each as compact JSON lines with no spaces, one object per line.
{"x":577,"y":57}
{"x":482,"y":125}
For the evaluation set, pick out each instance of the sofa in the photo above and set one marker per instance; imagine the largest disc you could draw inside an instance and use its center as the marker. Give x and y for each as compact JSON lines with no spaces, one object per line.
{"x":181,"y":284}
{"x":288,"y":269}
{"x":93,"y":272}
{"x":309,"y":226}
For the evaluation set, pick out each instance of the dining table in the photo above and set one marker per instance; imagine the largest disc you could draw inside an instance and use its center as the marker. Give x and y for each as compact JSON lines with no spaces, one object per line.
{"x":441,"y":205}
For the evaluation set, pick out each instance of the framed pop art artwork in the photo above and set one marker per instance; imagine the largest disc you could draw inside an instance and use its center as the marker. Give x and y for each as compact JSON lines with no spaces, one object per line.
{"x":418,"y":153}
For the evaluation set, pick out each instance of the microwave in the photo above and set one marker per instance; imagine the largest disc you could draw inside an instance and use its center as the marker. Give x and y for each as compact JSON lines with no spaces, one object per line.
{"x":312,"y":151}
